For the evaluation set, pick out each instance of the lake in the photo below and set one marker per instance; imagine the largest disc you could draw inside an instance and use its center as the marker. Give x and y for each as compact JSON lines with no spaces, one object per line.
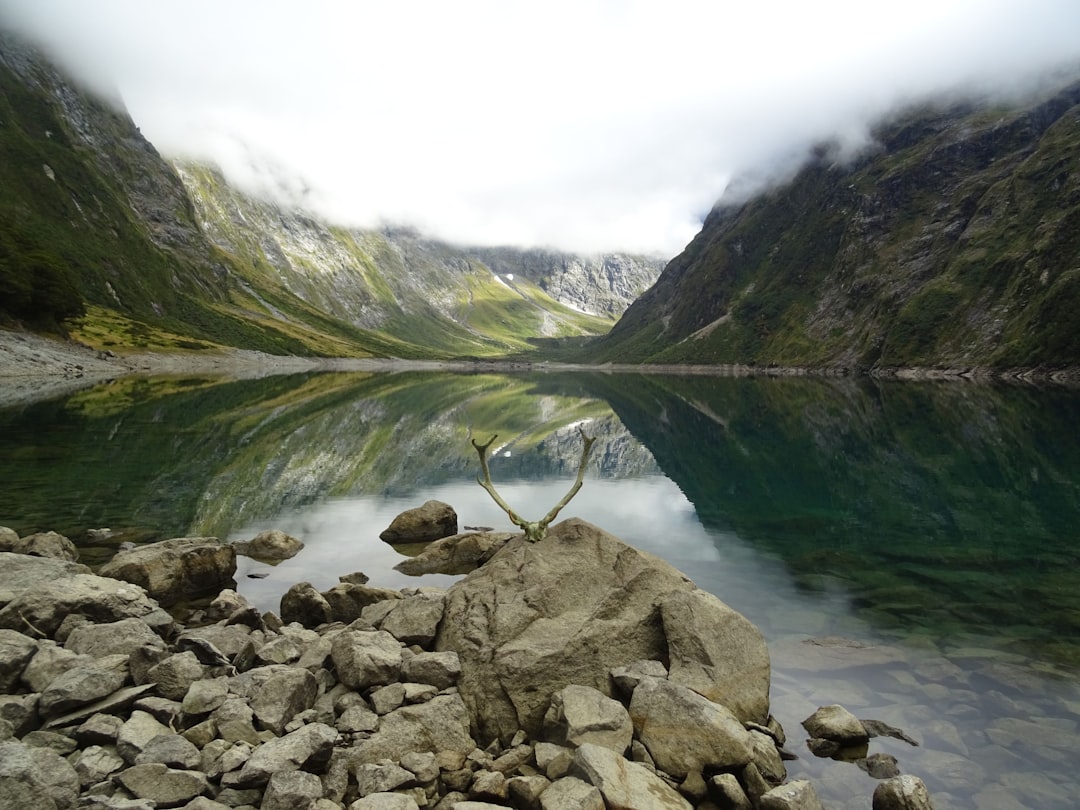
{"x":910,"y":550}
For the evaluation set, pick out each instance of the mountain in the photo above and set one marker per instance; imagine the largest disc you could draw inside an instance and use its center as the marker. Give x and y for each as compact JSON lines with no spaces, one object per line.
{"x":101,"y":236}
{"x":953,"y":243}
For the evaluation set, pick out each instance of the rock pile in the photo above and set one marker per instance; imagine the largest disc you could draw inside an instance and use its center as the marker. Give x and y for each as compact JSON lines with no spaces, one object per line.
{"x":571,"y":673}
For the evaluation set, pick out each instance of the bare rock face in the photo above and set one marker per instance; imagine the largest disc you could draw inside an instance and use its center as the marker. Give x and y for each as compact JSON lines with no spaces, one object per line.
{"x":570,"y":608}
{"x":431,"y":521}
{"x":177,"y":569}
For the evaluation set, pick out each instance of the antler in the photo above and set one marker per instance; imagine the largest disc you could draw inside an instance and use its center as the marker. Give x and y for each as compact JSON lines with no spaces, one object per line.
{"x":534,"y":531}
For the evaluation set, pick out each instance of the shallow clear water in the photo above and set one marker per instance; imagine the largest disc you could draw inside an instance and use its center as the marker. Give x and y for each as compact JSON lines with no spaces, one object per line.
{"x":908,"y":550}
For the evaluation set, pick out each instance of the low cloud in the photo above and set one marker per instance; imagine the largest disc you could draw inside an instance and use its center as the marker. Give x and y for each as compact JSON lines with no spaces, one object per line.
{"x":583,"y":125}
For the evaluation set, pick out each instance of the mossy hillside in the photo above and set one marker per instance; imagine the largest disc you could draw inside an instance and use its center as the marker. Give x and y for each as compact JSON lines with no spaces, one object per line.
{"x":953,"y":244}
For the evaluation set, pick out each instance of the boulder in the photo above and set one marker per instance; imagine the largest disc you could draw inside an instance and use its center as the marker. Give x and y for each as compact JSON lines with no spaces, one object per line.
{"x":457,"y":554}
{"x":165,"y":786}
{"x":797,"y":795}
{"x":440,"y":669}
{"x":365,"y":658}
{"x":570,"y":608}
{"x":36,"y":777}
{"x":109,"y":638}
{"x":270,"y":546}
{"x":904,"y":792}
{"x":42,"y":544}
{"x":303,"y":604}
{"x":178,"y":569}
{"x":431,"y":521}
{"x":415,"y":619}
{"x":16,"y":650}
{"x":581,"y":714}
{"x":79,"y":686}
{"x":347,"y":600}
{"x":308,"y":748}
{"x":836,"y":724}
{"x":289,"y":790}
{"x":45,"y":605}
{"x":624,"y":784}
{"x":439,"y":726}
{"x":571,"y":793}
{"x":684,"y":732}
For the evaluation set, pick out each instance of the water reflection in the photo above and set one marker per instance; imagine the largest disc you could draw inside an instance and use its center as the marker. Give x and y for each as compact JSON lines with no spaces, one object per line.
{"x":908,"y":550}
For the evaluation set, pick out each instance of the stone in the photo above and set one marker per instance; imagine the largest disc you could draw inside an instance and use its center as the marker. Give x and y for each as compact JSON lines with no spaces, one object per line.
{"x":440,"y":669}
{"x":381,"y":777}
{"x":570,"y":793}
{"x":175,"y":570}
{"x":837,"y":724}
{"x":49,"y":662}
{"x":566,"y":610}
{"x":717,"y":652}
{"x":423,"y":765}
{"x":365,"y":658}
{"x":553,"y":760}
{"x":165,"y":786}
{"x":109,"y":638}
{"x":624,"y":784}
{"x":282,"y":696}
{"x":725,"y":791}
{"x":525,"y":791}
{"x":78,"y":687}
{"x":36,"y":775}
{"x":307,"y":748}
{"x":115,"y":702}
{"x":43,"y":544}
{"x":170,"y":749}
{"x":387,"y":698}
{"x":439,"y":726}
{"x":685,"y":732}
{"x":581,"y":714}
{"x":304,"y":604}
{"x":16,"y":650}
{"x":96,"y":763}
{"x":272,"y":545}
{"x":348,"y":601}
{"x":19,"y":713}
{"x":431,"y":521}
{"x":767,"y":758}
{"x":415,"y":619}
{"x":388,"y":801}
{"x":489,"y":785}
{"x":291,"y":790}
{"x":22,"y":571}
{"x":96,"y":598}
{"x":357,"y":718}
{"x":175,"y":674}
{"x":136,"y":733}
{"x":202,"y":697}
{"x":628,"y":677}
{"x":99,"y":729}
{"x":796,"y":795}
{"x":457,"y":554}
{"x":235,"y":721}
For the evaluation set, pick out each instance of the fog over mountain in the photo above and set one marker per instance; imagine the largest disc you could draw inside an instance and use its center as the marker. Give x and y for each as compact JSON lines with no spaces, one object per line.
{"x":581,"y":125}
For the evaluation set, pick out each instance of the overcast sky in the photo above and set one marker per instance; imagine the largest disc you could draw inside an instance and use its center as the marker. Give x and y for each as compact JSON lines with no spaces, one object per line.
{"x":584,"y":125}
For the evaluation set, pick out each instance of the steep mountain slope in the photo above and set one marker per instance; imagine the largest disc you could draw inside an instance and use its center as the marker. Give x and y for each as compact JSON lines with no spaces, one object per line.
{"x":101,"y":236}
{"x":956,"y":243}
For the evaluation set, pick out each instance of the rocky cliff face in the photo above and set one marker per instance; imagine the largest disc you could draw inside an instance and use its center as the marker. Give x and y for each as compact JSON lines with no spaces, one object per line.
{"x":955,"y":242}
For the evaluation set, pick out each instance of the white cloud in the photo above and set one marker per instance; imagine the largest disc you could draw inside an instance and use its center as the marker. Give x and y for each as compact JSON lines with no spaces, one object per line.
{"x":589,"y":124}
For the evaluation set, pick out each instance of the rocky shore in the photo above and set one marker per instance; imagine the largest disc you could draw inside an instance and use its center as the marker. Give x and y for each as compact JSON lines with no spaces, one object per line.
{"x":575,"y":672}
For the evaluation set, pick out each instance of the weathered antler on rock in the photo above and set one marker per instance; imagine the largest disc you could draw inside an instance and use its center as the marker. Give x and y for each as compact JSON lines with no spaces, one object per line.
{"x":533,"y":530}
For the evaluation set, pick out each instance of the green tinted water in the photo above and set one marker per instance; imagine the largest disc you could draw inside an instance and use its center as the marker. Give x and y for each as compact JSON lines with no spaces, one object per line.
{"x":909,"y":550}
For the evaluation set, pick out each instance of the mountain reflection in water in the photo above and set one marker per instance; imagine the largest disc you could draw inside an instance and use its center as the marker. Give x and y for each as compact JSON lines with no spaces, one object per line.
{"x":908,"y":549}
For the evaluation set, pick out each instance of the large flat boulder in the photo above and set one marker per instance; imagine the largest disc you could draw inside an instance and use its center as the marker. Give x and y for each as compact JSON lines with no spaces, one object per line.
{"x":566,"y":610}
{"x":178,"y":569}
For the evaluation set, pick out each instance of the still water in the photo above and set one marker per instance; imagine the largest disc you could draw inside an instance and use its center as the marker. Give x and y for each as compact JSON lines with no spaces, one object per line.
{"x":909,"y":550}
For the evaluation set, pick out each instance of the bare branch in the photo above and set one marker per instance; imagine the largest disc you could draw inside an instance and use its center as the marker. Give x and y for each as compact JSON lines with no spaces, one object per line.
{"x":534,"y":531}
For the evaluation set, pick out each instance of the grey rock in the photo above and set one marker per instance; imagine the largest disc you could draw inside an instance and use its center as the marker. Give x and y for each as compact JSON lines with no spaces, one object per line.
{"x":170,"y":749}
{"x":279,"y":650}
{"x":565,"y":610}
{"x":178,"y":569}
{"x":525,"y":791}
{"x":835,"y":723}
{"x":553,"y":760}
{"x":628,"y":677}
{"x":78,"y":687}
{"x":109,"y":638}
{"x":16,"y":650}
{"x":570,"y":793}
{"x":36,"y":773}
{"x":96,"y":763}
{"x":54,"y":741}
{"x":235,"y":721}
{"x":165,"y":786}
{"x":725,"y":790}
{"x":440,"y":669}
{"x":49,"y":662}
{"x":348,"y":601}
{"x":431,"y":521}
{"x":685,"y":732}
{"x":175,"y":674}
{"x":387,"y":698}
{"x":581,"y":714}
{"x":439,"y":726}
{"x":304,"y":604}
{"x":387,"y":801}
{"x":415,"y":619}
{"x":423,"y":765}
{"x":283,"y":695}
{"x":272,"y":545}
{"x":357,"y":718}
{"x":20,"y":713}
{"x":365,"y":658}
{"x":457,"y":554}
{"x":308,"y":748}
{"x":717,"y":652}
{"x":97,"y":598}
{"x":626,"y":784}
{"x":291,"y":790}
{"x":41,"y":544}
{"x":22,"y":571}
{"x":99,"y":729}
{"x":202,"y":697}
{"x":489,"y":785}
{"x":796,"y":795}
{"x":117,"y":701}
{"x":136,"y":733}
{"x":767,"y":758}
{"x":381,"y":777}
